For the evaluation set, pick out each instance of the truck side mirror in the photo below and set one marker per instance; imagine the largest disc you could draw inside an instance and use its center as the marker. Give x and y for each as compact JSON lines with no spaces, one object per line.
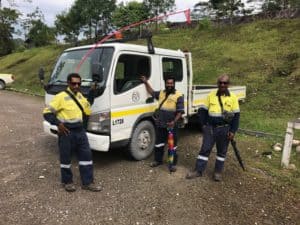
{"x":41,"y":74}
{"x":97,"y":73}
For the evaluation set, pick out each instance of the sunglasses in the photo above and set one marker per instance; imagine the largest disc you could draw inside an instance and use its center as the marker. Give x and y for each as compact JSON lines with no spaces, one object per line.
{"x":223,"y":82}
{"x":75,"y":83}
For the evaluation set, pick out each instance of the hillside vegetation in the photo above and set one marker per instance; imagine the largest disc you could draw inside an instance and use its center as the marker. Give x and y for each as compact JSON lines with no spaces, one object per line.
{"x":263,"y":55}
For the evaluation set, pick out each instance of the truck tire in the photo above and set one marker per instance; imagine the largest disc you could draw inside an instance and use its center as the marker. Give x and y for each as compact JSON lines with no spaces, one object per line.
{"x":2,"y":85}
{"x":143,"y":140}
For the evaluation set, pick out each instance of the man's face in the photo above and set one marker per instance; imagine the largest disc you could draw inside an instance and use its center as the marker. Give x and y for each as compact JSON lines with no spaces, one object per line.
{"x":74,"y":84}
{"x":223,"y":84}
{"x":169,"y":85}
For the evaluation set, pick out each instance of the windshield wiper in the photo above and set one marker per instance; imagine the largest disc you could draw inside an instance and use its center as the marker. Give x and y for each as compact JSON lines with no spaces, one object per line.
{"x":86,"y":80}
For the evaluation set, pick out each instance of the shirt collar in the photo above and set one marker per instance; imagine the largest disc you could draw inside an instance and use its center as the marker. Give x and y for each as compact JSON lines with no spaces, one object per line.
{"x":227,"y":93}
{"x":71,"y":91}
{"x":173,"y":92}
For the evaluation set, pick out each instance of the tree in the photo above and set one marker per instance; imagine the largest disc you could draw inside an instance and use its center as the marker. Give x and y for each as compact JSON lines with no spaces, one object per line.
{"x":130,"y":13}
{"x":92,"y":17}
{"x":37,"y":33}
{"x":69,"y":24}
{"x":8,"y":17}
{"x":40,"y":34}
{"x":228,"y":8}
{"x":28,"y":22}
{"x":202,"y":10}
{"x":95,"y":15}
{"x":274,"y":6}
{"x":156,"y":7}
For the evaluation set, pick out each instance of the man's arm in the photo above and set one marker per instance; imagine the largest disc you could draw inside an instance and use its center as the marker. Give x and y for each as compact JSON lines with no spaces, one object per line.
{"x":51,"y":110}
{"x":49,"y":114}
{"x":51,"y":118}
{"x":203,"y":116}
{"x":203,"y":111}
{"x":234,"y":124}
{"x":148,"y":86}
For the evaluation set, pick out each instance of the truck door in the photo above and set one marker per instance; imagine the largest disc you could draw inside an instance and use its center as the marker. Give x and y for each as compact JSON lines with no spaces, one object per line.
{"x":128,"y":102}
{"x":176,"y":67}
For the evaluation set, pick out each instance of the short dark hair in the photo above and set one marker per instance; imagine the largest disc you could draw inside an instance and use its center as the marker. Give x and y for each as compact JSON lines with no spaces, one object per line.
{"x":73,"y":75}
{"x":169,"y":77}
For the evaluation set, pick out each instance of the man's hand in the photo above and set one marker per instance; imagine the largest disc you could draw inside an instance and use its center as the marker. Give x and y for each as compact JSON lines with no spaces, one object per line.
{"x":62,"y":129}
{"x":143,"y":79}
{"x":230,"y":136}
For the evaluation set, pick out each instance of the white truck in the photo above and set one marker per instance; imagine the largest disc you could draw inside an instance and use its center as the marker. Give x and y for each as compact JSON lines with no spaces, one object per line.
{"x":6,"y":79}
{"x":122,"y":110}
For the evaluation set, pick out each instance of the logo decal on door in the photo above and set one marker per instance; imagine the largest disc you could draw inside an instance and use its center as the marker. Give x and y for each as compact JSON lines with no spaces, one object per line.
{"x":135,"y":96}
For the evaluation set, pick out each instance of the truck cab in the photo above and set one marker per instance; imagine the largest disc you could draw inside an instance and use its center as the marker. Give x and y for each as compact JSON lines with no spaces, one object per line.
{"x":122,"y":109}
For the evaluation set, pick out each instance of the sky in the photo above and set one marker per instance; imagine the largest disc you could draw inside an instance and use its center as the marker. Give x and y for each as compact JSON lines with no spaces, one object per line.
{"x":50,"y":8}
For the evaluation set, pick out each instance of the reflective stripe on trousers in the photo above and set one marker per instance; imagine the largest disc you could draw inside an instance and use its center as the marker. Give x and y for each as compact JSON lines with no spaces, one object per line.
{"x":211,"y":136}
{"x":75,"y":142}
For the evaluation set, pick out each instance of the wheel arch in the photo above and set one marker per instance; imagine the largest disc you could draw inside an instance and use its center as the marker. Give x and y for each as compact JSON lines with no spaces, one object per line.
{"x":143,"y":117}
{"x":3,"y":81}
{"x":132,"y":151}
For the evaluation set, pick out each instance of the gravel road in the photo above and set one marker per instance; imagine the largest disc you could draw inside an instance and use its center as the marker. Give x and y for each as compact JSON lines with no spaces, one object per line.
{"x":134,"y":193}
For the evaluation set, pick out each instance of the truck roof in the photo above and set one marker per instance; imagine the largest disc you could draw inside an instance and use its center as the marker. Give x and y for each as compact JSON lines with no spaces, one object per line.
{"x":133,"y":48}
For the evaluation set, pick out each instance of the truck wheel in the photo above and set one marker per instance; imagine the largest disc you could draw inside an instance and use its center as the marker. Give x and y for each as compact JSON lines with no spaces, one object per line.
{"x":142,"y":141}
{"x":2,"y":85}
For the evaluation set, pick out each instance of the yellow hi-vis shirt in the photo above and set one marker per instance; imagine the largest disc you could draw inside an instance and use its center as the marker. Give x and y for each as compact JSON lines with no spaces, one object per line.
{"x":230,"y":104}
{"x":65,"y":108}
{"x":171,"y":103}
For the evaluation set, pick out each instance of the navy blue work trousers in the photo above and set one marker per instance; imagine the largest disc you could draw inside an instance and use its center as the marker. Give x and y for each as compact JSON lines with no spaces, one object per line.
{"x":75,"y":142}
{"x":161,"y":141}
{"x":213,"y":135}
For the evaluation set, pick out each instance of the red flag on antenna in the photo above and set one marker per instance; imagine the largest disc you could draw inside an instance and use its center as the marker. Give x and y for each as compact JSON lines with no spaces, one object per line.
{"x":187,"y":14}
{"x":118,"y":35}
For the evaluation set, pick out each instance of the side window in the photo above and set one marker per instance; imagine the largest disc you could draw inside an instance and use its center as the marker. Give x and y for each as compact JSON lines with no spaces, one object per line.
{"x":172,"y":67}
{"x":128,"y":71}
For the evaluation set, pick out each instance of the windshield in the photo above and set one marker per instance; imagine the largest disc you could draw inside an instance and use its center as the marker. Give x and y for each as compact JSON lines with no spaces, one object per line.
{"x":69,"y":61}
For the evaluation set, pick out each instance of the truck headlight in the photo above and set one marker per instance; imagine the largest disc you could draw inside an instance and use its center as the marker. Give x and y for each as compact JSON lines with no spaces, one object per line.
{"x":99,"y":123}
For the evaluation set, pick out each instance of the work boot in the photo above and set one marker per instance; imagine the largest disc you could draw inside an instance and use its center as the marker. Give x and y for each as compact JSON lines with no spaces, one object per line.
{"x":92,"y":187}
{"x":172,"y":169}
{"x":70,"y":187}
{"x":155,"y":164}
{"x":217,"y":177}
{"x":193,"y":174}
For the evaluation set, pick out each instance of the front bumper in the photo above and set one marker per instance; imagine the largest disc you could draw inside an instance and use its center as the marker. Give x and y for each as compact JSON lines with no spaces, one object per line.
{"x":97,"y":142}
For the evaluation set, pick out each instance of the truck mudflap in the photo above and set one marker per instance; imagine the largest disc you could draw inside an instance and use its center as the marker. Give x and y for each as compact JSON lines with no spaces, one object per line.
{"x":97,"y":142}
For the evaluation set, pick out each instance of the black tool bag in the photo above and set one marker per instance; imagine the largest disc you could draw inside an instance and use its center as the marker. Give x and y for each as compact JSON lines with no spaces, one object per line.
{"x":227,"y":116}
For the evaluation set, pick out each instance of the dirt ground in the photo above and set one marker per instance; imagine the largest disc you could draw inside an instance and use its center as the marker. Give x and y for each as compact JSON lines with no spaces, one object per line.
{"x":134,"y":193}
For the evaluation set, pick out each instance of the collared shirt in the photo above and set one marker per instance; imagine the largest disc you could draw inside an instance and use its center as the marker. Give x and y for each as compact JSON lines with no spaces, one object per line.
{"x":171,"y":106}
{"x":212,"y":111}
{"x":66,"y":110}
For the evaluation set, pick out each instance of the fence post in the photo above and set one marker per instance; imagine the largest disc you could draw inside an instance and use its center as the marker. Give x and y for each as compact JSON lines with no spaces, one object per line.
{"x":289,"y":135}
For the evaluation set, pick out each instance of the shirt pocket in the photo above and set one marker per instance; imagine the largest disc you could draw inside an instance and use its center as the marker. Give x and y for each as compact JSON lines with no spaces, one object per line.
{"x":70,"y":107}
{"x":214,"y":106}
{"x":228,"y":105}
